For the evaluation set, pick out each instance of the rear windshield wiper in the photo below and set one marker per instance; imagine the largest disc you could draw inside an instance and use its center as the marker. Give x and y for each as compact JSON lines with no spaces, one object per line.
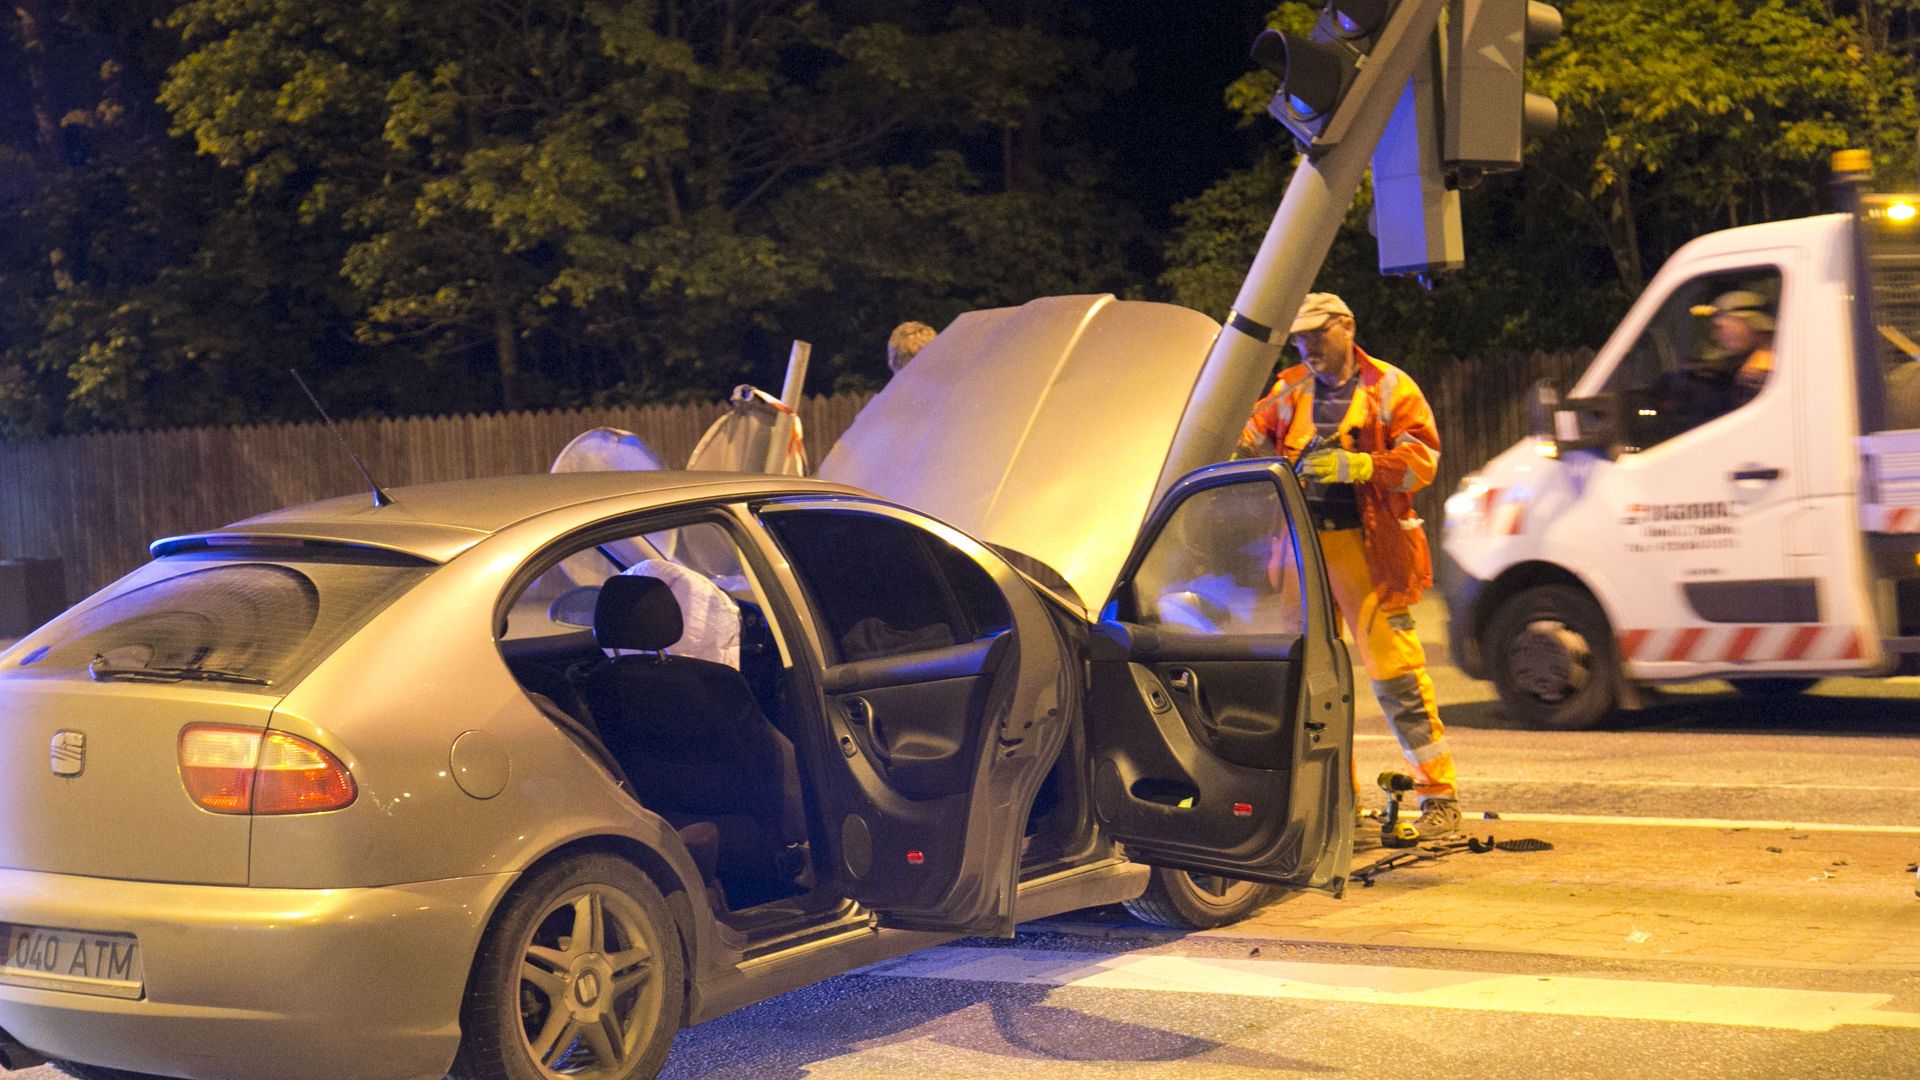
{"x":102,"y":671}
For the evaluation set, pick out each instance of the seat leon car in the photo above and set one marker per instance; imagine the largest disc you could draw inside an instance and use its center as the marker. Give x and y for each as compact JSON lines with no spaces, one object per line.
{"x":516,"y":777}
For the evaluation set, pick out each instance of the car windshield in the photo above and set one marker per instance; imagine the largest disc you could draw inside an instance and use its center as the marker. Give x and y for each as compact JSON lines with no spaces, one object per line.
{"x":254,"y":620}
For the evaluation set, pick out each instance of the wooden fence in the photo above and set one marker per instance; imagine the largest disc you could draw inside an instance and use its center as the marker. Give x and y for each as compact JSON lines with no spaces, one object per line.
{"x":95,"y":501}
{"x":1482,"y":407}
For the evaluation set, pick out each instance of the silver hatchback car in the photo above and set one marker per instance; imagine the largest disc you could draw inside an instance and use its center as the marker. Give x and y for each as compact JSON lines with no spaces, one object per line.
{"x":514,"y":778}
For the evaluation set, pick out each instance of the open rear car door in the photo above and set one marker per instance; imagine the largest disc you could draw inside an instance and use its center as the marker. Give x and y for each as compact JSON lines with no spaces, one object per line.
{"x":1220,"y":715}
{"x":943,"y":682}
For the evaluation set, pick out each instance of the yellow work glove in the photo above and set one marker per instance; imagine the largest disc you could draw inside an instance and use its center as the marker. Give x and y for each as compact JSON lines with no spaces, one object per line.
{"x":1330,"y":466}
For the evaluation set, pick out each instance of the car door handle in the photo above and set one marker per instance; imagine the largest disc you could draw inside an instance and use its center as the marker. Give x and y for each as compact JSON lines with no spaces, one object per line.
{"x":860,"y":713}
{"x":1185,"y":681}
{"x":1756,"y":474}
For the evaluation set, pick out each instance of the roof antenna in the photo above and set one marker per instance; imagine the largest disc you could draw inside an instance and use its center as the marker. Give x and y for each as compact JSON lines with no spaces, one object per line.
{"x":380,"y":497}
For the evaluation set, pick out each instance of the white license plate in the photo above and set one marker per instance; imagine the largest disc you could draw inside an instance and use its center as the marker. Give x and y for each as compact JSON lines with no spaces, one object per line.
{"x":71,"y":960}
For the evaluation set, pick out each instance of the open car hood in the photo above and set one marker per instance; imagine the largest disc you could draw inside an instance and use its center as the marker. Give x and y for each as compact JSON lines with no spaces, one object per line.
{"x":1041,"y":428}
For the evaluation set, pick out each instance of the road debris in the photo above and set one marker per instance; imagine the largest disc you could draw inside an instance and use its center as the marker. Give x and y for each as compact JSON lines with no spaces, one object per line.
{"x":1440,"y":849}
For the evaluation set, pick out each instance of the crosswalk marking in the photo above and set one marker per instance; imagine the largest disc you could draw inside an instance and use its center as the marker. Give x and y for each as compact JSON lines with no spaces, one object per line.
{"x":1713,"y":785}
{"x":1547,"y":995}
{"x":1707,"y":823}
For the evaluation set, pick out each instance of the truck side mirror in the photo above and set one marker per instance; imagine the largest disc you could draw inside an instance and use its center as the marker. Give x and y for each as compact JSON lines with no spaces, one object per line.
{"x":1590,"y":423}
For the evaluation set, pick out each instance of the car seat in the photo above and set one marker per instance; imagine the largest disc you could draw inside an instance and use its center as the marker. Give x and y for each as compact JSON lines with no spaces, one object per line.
{"x":695,"y":744}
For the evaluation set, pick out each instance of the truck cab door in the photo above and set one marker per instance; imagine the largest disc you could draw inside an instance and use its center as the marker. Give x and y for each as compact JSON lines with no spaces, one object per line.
{"x":939,"y":683}
{"x":1717,"y":565}
{"x":1220,"y":713}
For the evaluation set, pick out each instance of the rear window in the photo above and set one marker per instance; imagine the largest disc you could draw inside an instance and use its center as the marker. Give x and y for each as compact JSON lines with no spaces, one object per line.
{"x":1890,"y":231}
{"x":218,"y":617}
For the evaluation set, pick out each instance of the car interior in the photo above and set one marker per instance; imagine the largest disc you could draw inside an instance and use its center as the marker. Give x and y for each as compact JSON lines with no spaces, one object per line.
{"x":655,"y":653}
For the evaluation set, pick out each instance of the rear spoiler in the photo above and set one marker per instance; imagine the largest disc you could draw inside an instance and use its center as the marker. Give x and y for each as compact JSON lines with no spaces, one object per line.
{"x":256,"y":543}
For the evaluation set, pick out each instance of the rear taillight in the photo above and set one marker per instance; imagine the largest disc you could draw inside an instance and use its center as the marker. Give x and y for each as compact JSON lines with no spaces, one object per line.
{"x":238,"y":770}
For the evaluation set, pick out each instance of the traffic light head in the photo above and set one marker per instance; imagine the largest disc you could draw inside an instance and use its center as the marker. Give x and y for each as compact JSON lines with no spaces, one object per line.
{"x":1489,"y":114}
{"x":1313,"y":76}
{"x":1357,"y":19}
{"x":1317,"y":69}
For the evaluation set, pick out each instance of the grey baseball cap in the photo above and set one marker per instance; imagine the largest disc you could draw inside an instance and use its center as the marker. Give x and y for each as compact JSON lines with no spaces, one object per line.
{"x":1318,"y":310}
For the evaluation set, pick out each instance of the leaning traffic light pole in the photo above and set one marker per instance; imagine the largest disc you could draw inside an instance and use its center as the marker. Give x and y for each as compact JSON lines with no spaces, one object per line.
{"x":1459,"y":111}
{"x":1338,"y":86}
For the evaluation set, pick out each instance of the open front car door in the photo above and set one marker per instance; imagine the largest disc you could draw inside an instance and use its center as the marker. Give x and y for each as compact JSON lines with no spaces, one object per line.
{"x":1220,"y":714}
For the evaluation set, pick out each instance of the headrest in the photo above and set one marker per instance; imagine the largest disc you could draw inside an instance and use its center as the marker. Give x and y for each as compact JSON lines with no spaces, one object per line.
{"x":636,"y":612}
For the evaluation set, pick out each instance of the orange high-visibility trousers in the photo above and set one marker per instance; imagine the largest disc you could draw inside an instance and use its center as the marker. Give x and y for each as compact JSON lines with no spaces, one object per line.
{"x":1390,"y":650}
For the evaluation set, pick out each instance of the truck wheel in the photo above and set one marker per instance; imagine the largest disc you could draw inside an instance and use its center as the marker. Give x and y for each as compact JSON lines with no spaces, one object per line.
{"x":1553,"y":659}
{"x":580,"y":975}
{"x":1778,"y":687}
{"x":1188,"y":901}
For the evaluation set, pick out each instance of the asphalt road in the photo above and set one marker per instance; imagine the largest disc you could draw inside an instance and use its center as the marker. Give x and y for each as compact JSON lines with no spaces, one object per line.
{"x":1728,"y":892}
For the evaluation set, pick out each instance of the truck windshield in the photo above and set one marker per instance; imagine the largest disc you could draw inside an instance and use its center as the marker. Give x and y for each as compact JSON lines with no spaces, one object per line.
{"x":1891,"y":235}
{"x":248,"y":620}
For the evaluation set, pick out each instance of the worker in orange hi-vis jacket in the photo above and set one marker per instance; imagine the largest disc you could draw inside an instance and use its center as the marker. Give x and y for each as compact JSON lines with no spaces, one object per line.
{"x":1362,"y":436}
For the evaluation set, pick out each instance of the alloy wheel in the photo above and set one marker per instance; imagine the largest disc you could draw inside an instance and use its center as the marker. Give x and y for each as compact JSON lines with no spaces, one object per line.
{"x":590,"y":987}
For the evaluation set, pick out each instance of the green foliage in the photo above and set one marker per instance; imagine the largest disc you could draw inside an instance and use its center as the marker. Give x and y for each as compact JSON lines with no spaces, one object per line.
{"x":607,"y":178}
{"x":523,"y":202}
{"x":431,"y":208}
{"x":1699,"y":114}
{"x":931,"y":241}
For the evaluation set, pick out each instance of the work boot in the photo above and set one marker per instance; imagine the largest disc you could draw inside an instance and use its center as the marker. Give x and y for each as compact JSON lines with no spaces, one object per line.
{"x":1439,"y":819}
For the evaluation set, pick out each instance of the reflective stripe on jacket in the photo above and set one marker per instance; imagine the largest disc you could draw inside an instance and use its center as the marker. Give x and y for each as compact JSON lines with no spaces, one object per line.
{"x":1390,"y":421}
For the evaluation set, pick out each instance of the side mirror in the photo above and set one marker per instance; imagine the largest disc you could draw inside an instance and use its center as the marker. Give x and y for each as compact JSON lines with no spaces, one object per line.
{"x":575,"y":606}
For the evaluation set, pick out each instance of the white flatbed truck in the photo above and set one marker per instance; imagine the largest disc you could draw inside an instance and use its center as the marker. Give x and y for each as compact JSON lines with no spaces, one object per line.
{"x":1666,"y":524}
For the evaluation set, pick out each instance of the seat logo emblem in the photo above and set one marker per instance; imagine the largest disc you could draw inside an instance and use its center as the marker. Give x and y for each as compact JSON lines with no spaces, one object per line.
{"x":69,"y":753}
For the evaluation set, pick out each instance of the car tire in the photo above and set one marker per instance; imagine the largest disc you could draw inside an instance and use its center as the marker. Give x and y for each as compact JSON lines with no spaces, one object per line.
{"x":100,"y":1072}
{"x":1778,"y":687}
{"x":1188,"y":901}
{"x":1552,"y":658}
{"x":622,"y":989}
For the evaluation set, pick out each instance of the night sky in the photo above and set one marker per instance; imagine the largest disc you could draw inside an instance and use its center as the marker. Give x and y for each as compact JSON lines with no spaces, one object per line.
{"x":1171,"y":135}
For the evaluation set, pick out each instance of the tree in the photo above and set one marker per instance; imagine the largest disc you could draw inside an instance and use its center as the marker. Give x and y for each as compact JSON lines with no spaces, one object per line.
{"x":633,"y":193}
{"x":112,"y":310}
{"x":1687,"y":116}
